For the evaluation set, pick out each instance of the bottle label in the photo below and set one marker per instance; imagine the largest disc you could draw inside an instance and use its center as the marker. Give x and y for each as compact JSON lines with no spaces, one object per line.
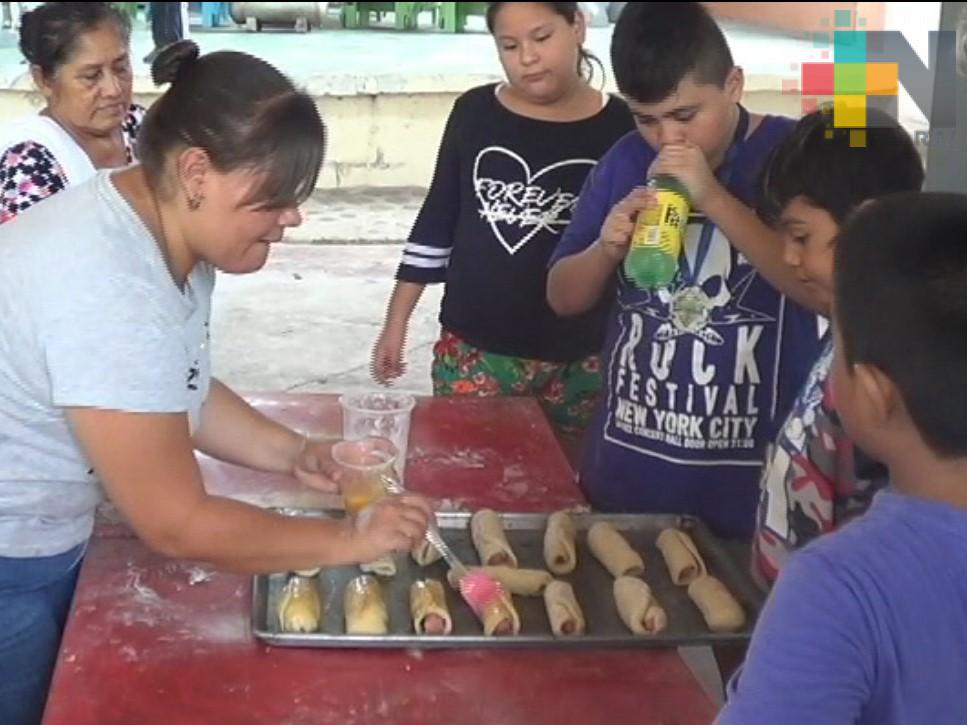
{"x":662,"y":226}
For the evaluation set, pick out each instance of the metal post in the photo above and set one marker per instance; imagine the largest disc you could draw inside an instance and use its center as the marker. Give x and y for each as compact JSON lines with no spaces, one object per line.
{"x":947,"y":151}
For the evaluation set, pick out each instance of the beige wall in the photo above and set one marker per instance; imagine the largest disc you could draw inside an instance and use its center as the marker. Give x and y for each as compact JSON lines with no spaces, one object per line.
{"x":383,"y":140}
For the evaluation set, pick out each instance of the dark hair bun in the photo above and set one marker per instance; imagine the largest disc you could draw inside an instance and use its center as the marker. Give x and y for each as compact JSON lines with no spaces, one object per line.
{"x":30,"y":23}
{"x":173,"y":61}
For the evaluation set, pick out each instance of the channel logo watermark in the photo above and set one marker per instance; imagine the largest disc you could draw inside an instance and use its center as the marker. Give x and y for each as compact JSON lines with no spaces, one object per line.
{"x":861,"y":69}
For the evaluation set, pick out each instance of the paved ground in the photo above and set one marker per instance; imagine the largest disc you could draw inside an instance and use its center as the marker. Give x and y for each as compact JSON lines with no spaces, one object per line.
{"x":307,"y":322}
{"x":359,"y":215}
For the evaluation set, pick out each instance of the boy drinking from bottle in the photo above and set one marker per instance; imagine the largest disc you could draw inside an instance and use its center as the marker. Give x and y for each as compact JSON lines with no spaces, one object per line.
{"x":697,"y":373}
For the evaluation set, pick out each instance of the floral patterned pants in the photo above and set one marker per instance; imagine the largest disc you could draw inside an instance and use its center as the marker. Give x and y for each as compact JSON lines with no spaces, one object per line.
{"x":568,"y":392}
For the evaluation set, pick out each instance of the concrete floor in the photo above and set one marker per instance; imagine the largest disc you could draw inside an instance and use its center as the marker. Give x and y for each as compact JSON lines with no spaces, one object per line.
{"x":308,"y":321}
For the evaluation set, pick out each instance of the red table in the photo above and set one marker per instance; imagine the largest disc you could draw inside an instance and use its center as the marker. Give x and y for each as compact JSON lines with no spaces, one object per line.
{"x":152,"y":640}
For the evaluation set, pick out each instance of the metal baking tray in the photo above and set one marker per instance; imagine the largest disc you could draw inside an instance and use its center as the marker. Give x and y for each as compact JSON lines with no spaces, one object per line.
{"x":591,"y":581}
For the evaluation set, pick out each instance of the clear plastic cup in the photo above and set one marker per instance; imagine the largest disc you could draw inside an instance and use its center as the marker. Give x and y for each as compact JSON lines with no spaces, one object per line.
{"x":379,"y":415}
{"x":364,"y":465}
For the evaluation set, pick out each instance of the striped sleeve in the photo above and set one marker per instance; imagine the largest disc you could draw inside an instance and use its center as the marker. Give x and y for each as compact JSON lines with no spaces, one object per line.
{"x":428,"y":248}
{"x":425,"y":257}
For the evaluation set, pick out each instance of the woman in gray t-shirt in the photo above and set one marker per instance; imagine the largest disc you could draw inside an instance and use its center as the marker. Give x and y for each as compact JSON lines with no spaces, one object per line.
{"x":104,"y":373}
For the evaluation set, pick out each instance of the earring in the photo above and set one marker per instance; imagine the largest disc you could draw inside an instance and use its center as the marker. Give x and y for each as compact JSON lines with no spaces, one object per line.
{"x":194,"y":203}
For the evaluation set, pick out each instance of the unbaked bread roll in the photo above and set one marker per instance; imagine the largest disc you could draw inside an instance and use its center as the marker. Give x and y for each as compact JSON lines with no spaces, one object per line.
{"x":426,"y":554}
{"x":300,"y":608}
{"x":560,"y":552}
{"x":684,"y":563}
{"x":364,"y":607}
{"x":522,"y":582}
{"x":563,"y":610}
{"x":491,"y":603}
{"x":383,"y":566}
{"x":500,"y":618}
{"x":428,"y":607}
{"x":637,"y":606}
{"x":721,"y":611}
{"x":610,"y":548}
{"x":487,"y":532}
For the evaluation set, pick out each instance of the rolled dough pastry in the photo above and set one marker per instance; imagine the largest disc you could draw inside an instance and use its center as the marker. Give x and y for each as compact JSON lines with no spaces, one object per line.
{"x":560,"y":553}
{"x":637,"y":606}
{"x":610,"y":548}
{"x":721,"y":611}
{"x":383,"y":566}
{"x":300,"y":608}
{"x":491,"y":603}
{"x":685,"y":564}
{"x":563,"y":610}
{"x":365,"y":609}
{"x":489,"y":539}
{"x":522,"y":582}
{"x":426,"y":554}
{"x":500,"y":617}
{"x":428,"y":606}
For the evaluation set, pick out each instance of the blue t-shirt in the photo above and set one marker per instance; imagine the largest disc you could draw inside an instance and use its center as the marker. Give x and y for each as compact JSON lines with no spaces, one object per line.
{"x":865,"y":625}
{"x":696,"y":376}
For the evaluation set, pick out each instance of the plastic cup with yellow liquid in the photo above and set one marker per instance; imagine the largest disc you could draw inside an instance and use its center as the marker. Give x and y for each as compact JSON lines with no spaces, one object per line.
{"x":365,"y":464}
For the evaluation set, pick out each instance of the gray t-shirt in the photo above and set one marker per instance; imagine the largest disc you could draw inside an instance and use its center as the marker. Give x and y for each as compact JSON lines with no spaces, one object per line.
{"x":89,"y":317}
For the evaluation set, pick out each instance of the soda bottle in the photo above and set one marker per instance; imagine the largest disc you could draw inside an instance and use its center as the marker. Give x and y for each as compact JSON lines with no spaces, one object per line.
{"x":659,"y":234}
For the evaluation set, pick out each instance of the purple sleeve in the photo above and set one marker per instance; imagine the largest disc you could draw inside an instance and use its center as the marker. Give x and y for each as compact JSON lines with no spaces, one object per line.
{"x":812,"y":652}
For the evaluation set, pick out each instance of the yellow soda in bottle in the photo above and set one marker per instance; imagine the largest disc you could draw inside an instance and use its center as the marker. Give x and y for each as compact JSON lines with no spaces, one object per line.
{"x":659,"y":234}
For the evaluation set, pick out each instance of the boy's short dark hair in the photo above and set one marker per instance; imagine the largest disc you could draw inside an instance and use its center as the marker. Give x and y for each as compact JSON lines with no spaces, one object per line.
{"x":901,"y":305}
{"x":655,"y":45}
{"x":817,"y":162}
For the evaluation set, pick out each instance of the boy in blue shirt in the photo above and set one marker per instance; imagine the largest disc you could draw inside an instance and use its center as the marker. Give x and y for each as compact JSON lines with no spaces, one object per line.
{"x":696,"y":375}
{"x":869,"y":624}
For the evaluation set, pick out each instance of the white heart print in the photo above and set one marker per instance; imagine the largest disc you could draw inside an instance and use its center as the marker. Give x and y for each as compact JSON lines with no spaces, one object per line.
{"x":525,"y":203}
